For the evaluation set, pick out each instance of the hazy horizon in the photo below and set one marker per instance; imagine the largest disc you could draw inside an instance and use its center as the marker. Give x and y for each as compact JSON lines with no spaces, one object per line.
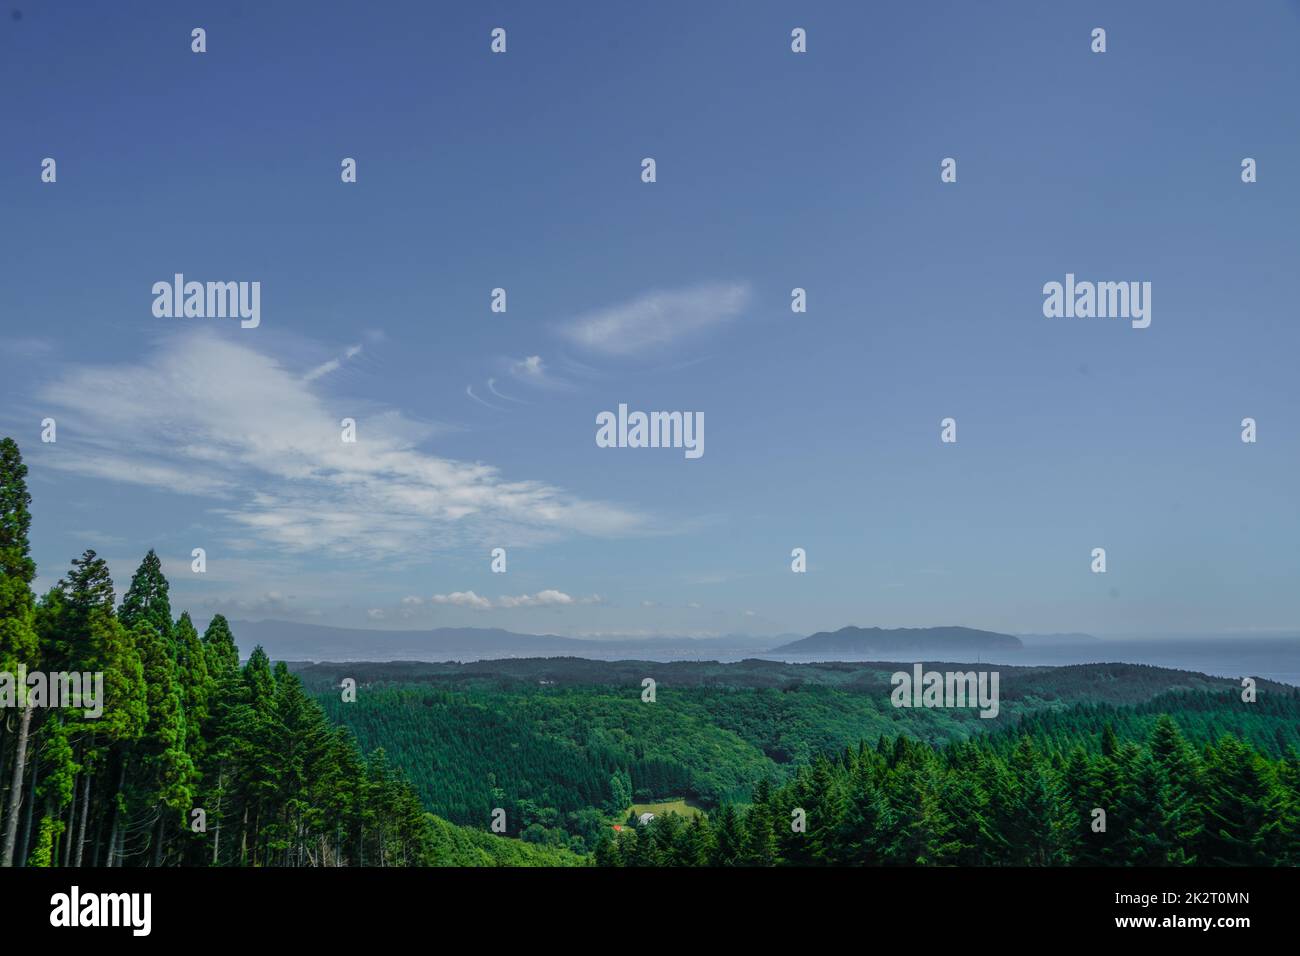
{"x":1263,"y":634}
{"x":1274,"y":657}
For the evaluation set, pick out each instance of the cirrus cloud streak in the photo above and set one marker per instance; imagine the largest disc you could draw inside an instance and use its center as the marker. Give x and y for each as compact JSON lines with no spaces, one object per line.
{"x":204,"y":416}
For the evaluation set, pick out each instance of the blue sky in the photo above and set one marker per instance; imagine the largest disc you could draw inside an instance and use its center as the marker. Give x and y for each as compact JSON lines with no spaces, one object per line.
{"x":775,"y":170}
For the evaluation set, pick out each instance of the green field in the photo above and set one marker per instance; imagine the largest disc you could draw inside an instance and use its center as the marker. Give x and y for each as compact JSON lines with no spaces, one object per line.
{"x":679,"y":807}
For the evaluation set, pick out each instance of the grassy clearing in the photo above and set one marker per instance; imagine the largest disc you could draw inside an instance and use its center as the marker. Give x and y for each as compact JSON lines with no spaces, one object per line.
{"x":680,"y":807}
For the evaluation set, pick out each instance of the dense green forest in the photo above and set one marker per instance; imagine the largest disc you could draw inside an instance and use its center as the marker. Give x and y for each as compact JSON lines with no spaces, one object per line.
{"x":566,"y":745}
{"x":1071,"y":796}
{"x":195,"y":760}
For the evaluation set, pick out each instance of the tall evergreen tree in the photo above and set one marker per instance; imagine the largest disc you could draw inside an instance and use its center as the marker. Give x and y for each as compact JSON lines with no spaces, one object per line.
{"x":146,"y":601}
{"x":1236,"y":809}
{"x":18,"y":643}
{"x":865,"y":818}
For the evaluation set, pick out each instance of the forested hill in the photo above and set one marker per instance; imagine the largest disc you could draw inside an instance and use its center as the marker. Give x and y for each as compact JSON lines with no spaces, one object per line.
{"x":565,"y":746}
{"x":1113,"y":682}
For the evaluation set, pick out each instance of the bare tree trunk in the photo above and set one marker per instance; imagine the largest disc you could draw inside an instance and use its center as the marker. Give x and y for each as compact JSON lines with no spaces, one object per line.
{"x":97,"y":841}
{"x":118,"y":852}
{"x":216,"y":836}
{"x":116,"y":811}
{"x":257,"y":837}
{"x":4,"y":765}
{"x":25,"y":841}
{"x":68,"y":830}
{"x":16,"y":790}
{"x":51,"y":813}
{"x":85,"y":815}
{"x":158,"y":837}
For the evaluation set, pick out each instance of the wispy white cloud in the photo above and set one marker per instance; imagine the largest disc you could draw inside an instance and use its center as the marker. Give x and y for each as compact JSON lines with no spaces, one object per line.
{"x":211,"y":417}
{"x":492,"y":387}
{"x":272,"y":603}
{"x":529,"y":369}
{"x":463,"y":599}
{"x":333,"y":365}
{"x":469,"y":390}
{"x":657,"y":319}
{"x":533,"y":371}
{"x":548,"y":598}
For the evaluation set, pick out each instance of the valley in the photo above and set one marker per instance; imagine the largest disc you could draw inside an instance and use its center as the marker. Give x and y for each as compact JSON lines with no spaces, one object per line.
{"x":568,"y":748}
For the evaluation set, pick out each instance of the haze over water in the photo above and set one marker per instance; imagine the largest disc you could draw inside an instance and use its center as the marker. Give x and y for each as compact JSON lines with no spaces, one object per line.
{"x":1274,"y":658}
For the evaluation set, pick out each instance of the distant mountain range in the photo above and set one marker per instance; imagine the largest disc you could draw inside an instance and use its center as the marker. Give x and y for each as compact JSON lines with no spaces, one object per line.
{"x":290,"y":640}
{"x":876,"y":640}
{"x":1234,"y":655}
